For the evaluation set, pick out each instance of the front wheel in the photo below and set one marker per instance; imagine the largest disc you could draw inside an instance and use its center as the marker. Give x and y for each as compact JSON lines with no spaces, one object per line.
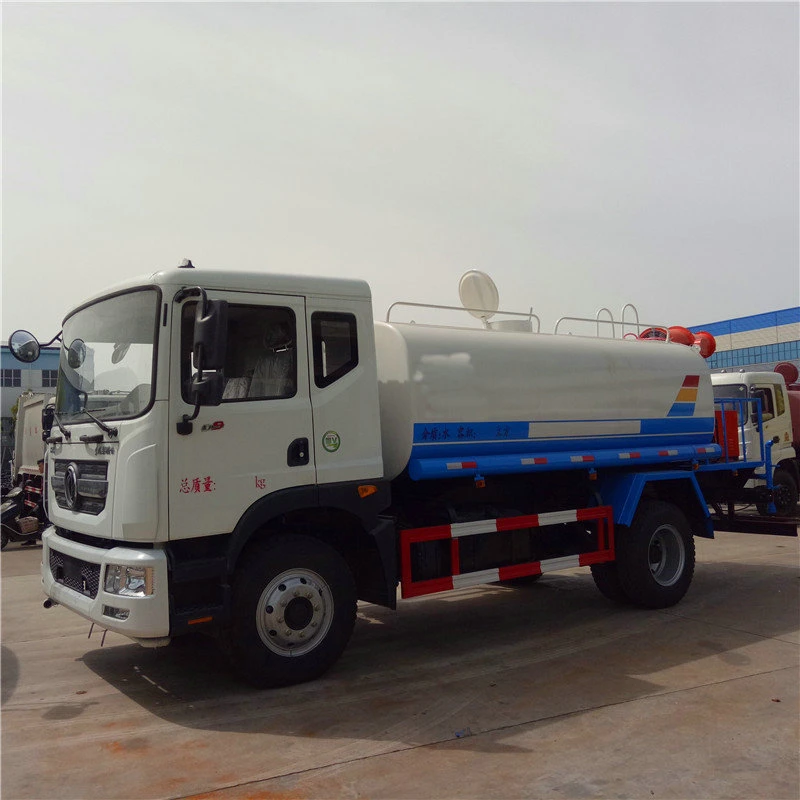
{"x":655,"y":556}
{"x":294,"y":608}
{"x":784,"y":492}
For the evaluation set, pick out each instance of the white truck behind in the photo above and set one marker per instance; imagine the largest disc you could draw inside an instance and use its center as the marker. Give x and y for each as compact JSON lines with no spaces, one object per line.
{"x":778,"y":406}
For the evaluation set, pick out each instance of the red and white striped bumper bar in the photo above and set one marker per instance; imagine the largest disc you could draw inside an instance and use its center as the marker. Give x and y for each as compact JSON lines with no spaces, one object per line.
{"x":601,"y":515}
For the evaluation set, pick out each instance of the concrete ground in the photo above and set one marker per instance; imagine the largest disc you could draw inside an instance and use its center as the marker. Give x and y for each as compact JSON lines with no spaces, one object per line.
{"x":547,"y":691}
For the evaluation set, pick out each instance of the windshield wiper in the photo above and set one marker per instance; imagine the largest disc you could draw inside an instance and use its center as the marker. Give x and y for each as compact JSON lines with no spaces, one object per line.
{"x":107,"y":428}
{"x":67,"y":435}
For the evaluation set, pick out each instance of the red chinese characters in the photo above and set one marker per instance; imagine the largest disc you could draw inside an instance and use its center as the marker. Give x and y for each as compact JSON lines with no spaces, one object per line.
{"x":197,"y":485}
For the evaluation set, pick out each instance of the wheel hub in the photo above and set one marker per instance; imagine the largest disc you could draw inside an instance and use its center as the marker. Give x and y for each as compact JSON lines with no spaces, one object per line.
{"x":294,"y":612}
{"x":667,"y":555}
{"x":299,"y":613}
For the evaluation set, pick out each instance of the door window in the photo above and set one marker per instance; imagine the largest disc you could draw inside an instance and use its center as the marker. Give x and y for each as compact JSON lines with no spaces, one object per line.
{"x":767,"y":405}
{"x":261,"y":358}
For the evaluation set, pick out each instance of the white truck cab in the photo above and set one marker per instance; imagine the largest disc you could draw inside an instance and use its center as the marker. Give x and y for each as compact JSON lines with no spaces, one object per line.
{"x":135,"y":466}
{"x":770,"y":389}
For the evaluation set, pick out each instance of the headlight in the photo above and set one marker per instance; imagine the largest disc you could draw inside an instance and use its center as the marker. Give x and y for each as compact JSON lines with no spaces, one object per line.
{"x":129,"y":581}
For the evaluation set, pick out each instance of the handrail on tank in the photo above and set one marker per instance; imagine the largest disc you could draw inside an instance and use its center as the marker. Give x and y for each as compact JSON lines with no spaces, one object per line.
{"x":610,"y":319}
{"x":614,"y":322}
{"x":636,"y":314}
{"x":488,"y":312}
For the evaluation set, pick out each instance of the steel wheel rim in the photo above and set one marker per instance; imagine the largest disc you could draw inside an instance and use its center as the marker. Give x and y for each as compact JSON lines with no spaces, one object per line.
{"x":666,"y":555}
{"x":294,"y":612}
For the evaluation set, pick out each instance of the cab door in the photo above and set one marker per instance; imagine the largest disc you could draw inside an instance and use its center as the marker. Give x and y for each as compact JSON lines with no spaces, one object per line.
{"x":776,"y":421}
{"x":259,"y":440}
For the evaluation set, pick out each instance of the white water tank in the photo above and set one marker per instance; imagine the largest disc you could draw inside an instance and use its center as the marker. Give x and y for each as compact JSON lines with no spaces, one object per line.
{"x":464,"y":392}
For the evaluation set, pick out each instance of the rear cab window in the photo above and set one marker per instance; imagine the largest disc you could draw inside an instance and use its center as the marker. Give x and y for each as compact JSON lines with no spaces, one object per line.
{"x":334,"y":342}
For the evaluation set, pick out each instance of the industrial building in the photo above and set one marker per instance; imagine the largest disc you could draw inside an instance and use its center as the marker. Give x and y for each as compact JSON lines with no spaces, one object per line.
{"x":759,"y":341}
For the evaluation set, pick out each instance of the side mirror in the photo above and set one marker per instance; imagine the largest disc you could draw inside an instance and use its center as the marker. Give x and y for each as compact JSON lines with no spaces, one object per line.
{"x":76,"y":353}
{"x":210,"y":334}
{"x":48,"y":413}
{"x":24,"y":346}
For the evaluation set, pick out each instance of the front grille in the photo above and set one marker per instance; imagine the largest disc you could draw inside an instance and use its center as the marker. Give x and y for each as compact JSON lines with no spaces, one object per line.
{"x":92,"y":485}
{"x":75,"y":574}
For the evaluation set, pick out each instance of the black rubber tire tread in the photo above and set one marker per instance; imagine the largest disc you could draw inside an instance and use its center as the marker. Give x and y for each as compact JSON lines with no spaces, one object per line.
{"x":633,"y":562}
{"x":606,"y":579}
{"x":786,"y":502}
{"x":259,"y":564}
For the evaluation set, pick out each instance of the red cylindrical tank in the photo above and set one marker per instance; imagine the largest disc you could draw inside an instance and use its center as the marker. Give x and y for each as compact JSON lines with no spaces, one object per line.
{"x":789,"y":371}
{"x":790,"y":375}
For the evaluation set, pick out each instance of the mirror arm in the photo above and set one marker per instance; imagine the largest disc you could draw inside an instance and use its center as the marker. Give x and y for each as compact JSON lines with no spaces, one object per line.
{"x":184,"y":427}
{"x":56,"y":338}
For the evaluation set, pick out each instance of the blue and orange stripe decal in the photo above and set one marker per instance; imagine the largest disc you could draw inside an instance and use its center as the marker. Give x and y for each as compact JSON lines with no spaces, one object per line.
{"x":687,"y":397}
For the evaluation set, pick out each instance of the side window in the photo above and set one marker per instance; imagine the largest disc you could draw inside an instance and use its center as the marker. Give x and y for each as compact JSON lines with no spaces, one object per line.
{"x":767,"y":406}
{"x":12,"y":377}
{"x":49,"y":378}
{"x":780,"y":407}
{"x":261,"y":359}
{"x":335,"y":346}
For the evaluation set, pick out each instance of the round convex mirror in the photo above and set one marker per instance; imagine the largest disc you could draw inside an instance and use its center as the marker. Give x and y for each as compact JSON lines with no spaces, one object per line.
{"x":478,"y":294}
{"x":76,"y":354}
{"x":24,"y":347}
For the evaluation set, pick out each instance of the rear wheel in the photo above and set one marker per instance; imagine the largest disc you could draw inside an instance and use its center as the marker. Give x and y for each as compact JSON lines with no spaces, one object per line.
{"x":294,"y":607}
{"x":606,"y":579}
{"x":655,"y":556}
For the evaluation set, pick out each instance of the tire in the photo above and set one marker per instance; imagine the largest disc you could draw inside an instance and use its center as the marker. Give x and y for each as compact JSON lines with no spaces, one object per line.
{"x":655,"y":556}
{"x":785,"y":495}
{"x":4,"y":540}
{"x":606,"y":579}
{"x":294,"y":608}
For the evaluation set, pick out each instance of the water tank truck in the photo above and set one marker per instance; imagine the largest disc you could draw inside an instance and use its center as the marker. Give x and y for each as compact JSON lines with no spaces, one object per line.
{"x":247,"y":454}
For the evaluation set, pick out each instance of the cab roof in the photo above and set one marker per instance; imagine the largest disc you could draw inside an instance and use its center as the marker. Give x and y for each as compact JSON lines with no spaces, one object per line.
{"x":241,"y":281}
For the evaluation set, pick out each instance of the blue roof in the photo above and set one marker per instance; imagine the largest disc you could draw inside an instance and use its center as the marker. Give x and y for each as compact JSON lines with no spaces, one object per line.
{"x":771,"y":319}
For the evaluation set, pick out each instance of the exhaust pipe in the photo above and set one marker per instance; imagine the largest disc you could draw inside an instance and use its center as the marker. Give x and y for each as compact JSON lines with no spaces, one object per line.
{"x":49,"y":603}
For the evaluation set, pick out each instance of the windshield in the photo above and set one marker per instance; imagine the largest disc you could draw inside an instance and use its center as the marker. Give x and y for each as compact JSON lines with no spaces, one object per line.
{"x":726,"y":390}
{"x":107,"y":364}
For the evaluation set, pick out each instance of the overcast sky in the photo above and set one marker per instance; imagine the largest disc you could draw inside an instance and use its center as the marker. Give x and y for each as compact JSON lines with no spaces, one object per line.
{"x":584,"y":155}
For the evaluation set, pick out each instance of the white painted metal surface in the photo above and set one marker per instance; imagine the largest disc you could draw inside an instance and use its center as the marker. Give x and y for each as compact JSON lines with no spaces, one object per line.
{"x":563,"y":387}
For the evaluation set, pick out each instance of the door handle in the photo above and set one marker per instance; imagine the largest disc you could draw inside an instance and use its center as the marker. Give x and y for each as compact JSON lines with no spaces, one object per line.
{"x":297,"y":454}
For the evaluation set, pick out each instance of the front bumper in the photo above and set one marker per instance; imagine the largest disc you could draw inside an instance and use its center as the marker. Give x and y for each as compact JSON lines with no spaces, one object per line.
{"x":79,"y":586}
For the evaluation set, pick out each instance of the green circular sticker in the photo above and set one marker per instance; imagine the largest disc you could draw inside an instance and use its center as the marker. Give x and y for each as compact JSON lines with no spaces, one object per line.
{"x":331,"y":441}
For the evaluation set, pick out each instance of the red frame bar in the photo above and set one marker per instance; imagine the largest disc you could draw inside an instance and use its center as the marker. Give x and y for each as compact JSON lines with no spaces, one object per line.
{"x":602,"y":515}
